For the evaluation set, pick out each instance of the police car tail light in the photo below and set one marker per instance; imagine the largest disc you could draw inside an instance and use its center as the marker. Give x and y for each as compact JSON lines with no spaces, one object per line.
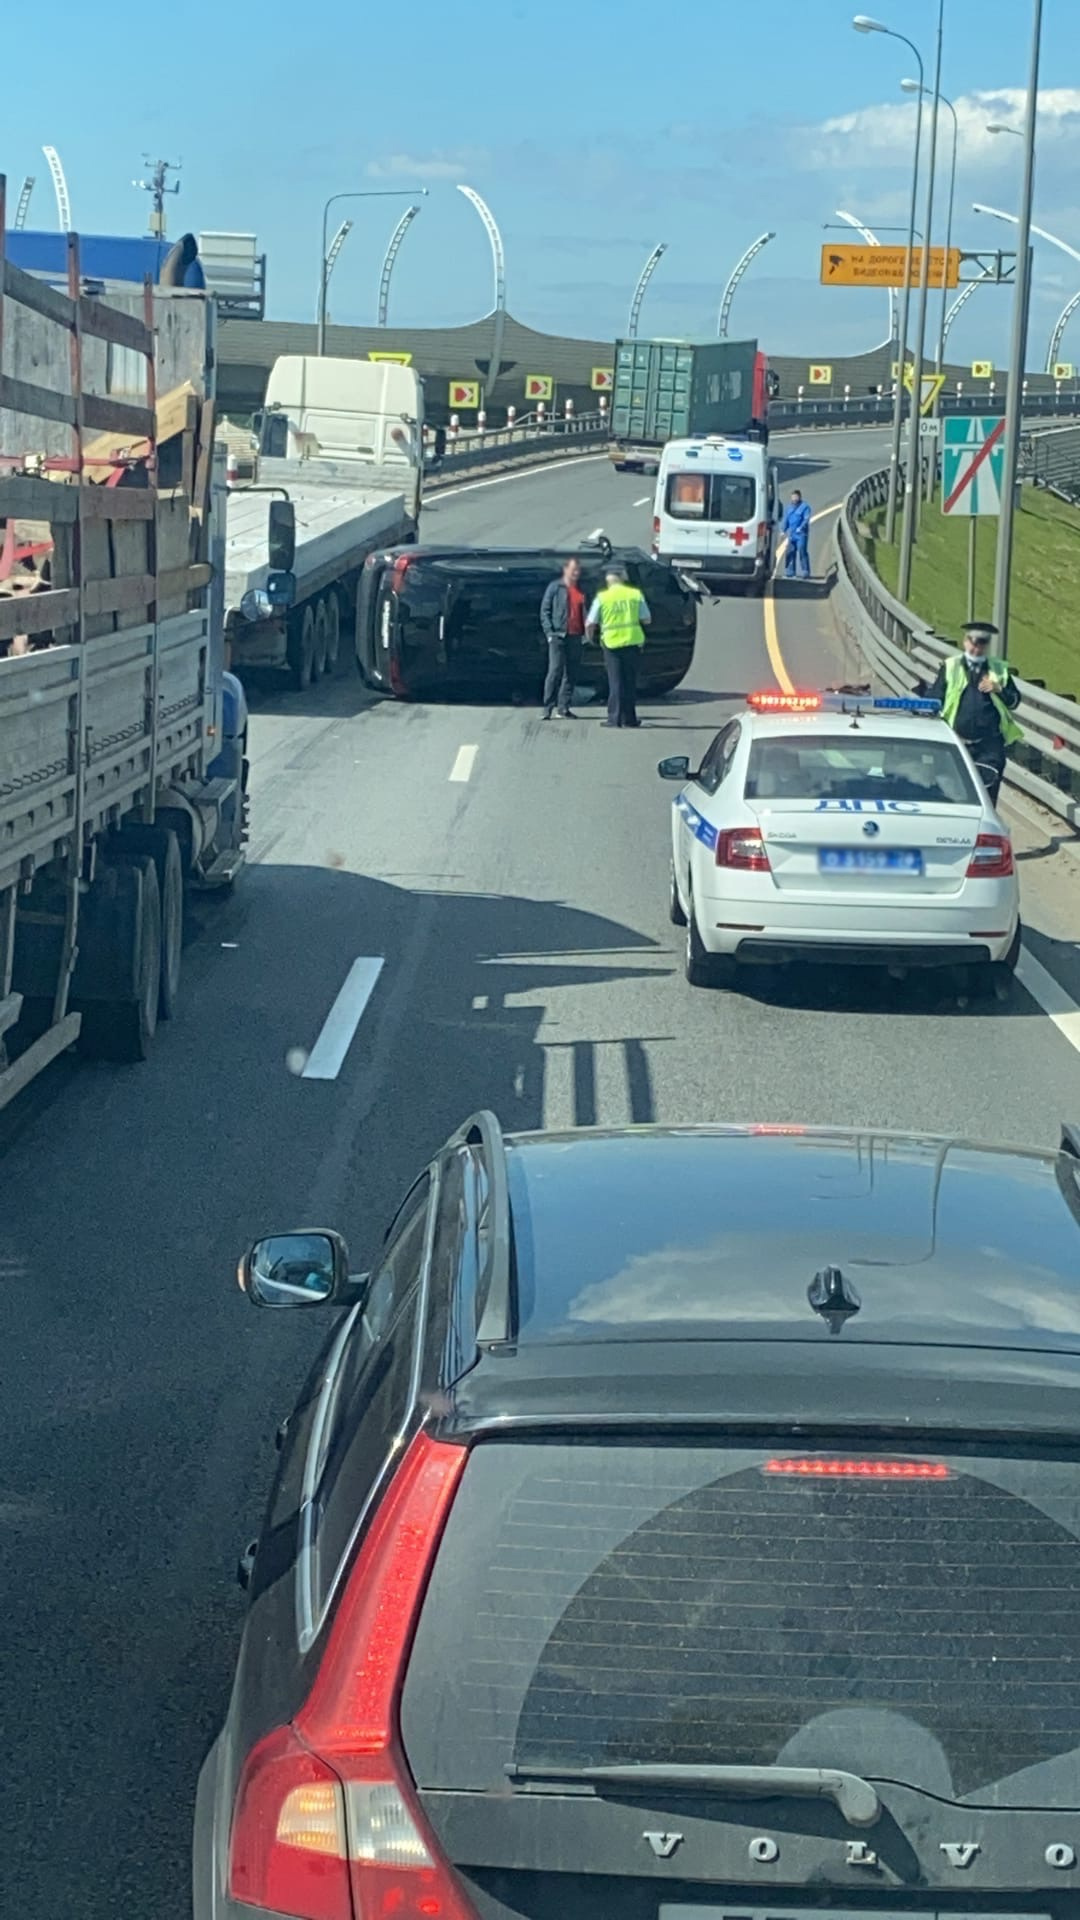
{"x":326,"y":1822}
{"x":770,"y":702}
{"x":742,"y":848}
{"x":992,"y":858}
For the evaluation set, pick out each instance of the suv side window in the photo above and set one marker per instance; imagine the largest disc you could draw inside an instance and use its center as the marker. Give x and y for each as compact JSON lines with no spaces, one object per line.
{"x":718,"y":758}
{"x":371,"y":1393}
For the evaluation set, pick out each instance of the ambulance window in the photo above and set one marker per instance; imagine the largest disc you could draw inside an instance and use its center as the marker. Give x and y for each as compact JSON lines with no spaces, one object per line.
{"x":686,"y":495}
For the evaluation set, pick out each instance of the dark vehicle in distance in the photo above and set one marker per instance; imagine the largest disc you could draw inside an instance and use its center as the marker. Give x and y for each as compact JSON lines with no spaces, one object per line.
{"x":678,"y":1524}
{"x":438,"y":620}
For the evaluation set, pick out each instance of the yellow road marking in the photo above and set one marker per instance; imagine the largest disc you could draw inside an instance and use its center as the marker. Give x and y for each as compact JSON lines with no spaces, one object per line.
{"x":768,"y":608}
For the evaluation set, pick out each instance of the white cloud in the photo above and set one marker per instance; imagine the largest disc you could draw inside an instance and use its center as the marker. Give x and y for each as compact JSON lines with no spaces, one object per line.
{"x":884,"y":134}
{"x":433,"y":166}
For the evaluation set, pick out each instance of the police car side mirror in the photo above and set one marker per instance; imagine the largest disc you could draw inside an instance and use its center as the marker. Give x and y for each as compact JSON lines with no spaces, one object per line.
{"x":677,"y":767}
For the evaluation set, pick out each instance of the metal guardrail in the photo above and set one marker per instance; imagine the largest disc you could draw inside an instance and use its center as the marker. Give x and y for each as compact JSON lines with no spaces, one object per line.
{"x":1050,"y":458}
{"x":869,"y":410}
{"x":896,"y":649}
{"x":511,"y":446}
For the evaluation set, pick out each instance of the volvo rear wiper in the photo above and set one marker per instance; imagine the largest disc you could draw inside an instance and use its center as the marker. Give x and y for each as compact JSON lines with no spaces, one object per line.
{"x":855,"y":1797}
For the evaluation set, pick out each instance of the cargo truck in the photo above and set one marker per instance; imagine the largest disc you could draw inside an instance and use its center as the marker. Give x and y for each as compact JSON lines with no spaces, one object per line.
{"x":342,"y":441}
{"x":672,"y":389}
{"x":122,"y":738}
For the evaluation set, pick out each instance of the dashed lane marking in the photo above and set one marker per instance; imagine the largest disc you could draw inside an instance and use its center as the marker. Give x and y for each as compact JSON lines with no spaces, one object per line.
{"x":463,"y":764}
{"x":327,"y":1056}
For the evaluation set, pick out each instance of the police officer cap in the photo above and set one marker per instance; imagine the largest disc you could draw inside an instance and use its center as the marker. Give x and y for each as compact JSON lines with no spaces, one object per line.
{"x":980,"y":630}
{"x":613,"y":571}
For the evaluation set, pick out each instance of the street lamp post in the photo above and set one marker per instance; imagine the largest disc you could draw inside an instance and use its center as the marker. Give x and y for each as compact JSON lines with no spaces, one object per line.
{"x":1014,"y":395}
{"x":638,"y":296}
{"x":911,"y":476}
{"x":864,"y":24}
{"x":379,"y":193}
{"x":734,"y":277}
{"x":912,"y":86}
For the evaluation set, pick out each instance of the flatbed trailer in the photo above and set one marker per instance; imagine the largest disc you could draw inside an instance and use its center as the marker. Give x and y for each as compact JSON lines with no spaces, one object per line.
{"x":122,"y":739}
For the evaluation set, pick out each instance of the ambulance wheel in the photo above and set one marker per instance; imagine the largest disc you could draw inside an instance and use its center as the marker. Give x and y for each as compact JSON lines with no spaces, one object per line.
{"x":756,"y":586}
{"x":675,"y":908}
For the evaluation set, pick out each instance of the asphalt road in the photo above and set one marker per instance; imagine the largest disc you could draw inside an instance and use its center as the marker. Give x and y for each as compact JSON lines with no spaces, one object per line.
{"x":520,"y":913}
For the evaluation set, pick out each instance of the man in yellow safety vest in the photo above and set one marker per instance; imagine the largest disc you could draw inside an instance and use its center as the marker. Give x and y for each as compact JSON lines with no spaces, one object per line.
{"x":619,"y":614}
{"x":978,"y":698}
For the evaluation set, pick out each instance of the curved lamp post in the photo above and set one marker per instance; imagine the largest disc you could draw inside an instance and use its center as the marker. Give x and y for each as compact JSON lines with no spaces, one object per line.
{"x":63,"y":203}
{"x":498,"y":262}
{"x":735,"y":276}
{"x":644,"y":277}
{"x":964,"y":294}
{"x":873,"y":241}
{"x":1060,"y":325}
{"x":392,"y":252}
{"x":377,"y":193}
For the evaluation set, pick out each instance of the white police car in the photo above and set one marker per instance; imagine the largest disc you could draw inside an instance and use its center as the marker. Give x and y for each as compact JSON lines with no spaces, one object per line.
{"x":840,"y":828}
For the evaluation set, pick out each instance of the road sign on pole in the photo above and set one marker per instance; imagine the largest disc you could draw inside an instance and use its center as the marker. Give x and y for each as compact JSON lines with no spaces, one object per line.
{"x":843,"y":266}
{"x":931,"y":386}
{"x":972,"y":464}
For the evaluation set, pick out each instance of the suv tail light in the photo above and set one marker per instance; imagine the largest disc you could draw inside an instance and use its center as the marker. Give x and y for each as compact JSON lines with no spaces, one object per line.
{"x":398,"y":571}
{"x":992,"y":858}
{"x":743,"y":848}
{"x":326,"y":1821}
{"x":656,"y":533}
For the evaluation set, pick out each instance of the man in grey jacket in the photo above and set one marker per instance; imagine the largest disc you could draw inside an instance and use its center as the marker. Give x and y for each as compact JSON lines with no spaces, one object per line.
{"x":562,"y":617}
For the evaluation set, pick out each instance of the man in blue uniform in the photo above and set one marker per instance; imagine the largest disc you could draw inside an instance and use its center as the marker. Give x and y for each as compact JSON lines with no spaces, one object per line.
{"x":796,"y":529}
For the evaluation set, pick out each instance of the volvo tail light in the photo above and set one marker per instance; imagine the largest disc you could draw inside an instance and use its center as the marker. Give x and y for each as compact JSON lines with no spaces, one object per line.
{"x":326,"y":1823}
{"x":992,"y":858}
{"x":742,"y":848}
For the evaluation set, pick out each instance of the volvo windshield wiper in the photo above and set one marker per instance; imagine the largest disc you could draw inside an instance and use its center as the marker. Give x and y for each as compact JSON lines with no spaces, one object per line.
{"x":856,"y":1798}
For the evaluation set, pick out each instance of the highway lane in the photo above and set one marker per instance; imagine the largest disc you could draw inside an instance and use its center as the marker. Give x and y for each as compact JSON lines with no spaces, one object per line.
{"x":528,"y":965}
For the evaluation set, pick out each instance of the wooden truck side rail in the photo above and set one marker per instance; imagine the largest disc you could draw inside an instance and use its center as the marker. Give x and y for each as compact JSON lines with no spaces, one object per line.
{"x":118,"y":697}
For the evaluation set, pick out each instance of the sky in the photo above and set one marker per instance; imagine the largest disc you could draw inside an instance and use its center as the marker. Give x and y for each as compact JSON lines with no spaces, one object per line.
{"x":594,"y":131}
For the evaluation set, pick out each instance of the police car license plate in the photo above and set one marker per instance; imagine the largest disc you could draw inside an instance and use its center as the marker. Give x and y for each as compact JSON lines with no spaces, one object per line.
{"x":870,"y":860}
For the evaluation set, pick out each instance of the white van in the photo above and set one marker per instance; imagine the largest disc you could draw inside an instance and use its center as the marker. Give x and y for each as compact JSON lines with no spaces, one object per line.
{"x":341,"y":419}
{"x":716,"y":508}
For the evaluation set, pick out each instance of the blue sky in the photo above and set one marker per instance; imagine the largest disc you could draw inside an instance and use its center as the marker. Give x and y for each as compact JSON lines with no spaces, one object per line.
{"x":593,"y":131}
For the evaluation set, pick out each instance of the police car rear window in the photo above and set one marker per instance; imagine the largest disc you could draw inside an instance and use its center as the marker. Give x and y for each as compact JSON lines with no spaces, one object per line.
{"x":710,"y":496}
{"x":911,"y":1616}
{"x":845,"y":767}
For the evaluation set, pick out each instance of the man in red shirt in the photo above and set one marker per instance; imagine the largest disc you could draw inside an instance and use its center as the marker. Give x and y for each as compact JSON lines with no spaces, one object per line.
{"x":562,"y":617}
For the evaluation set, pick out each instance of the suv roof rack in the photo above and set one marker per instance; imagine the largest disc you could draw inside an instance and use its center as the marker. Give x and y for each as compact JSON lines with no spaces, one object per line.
{"x":498,"y":1315}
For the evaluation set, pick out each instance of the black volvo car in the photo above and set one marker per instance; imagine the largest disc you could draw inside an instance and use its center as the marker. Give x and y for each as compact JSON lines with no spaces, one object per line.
{"x":678,"y":1525}
{"x":440,"y":620}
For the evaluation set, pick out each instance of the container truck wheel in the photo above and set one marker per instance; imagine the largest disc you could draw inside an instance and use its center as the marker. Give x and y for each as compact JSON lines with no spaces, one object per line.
{"x":163,"y":848}
{"x":301,"y":648}
{"x":118,"y":975}
{"x":322,"y":640}
{"x":333,"y":632}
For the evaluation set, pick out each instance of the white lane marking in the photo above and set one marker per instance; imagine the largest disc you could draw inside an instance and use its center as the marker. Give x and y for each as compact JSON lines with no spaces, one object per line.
{"x":463,"y":764}
{"x":327,"y":1056}
{"x":522,"y":473}
{"x":1051,"y":996}
{"x":644,"y":501}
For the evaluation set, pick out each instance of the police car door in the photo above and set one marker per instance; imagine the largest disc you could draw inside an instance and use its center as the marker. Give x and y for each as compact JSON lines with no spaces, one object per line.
{"x":696,"y":818}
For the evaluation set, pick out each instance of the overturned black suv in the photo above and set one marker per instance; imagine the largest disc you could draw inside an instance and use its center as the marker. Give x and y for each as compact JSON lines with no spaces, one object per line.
{"x":438,"y":620}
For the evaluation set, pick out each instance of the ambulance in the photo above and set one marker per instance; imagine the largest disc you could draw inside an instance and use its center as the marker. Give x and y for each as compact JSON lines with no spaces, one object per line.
{"x":716,"y":510}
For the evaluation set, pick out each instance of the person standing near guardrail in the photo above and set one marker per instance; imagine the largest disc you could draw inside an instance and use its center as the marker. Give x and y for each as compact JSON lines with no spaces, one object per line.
{"x":978,"y":698}
{"x":795,"y":527}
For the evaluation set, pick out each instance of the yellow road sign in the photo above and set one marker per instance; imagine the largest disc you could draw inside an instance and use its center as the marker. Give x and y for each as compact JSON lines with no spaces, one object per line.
{"x":821,"y":376}
{"x":982,"y":369}
{"x":464,"y":393}
{"x":539,"y":386}
{"x":399,"y":359}
{"x":602,"y":379}
{"x":843,"y":266}
{"x":932,"y":384}
{"x":1064,"y":370}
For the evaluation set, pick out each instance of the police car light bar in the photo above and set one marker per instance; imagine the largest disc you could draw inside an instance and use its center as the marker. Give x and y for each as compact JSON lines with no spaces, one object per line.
{"x":770,"y":702}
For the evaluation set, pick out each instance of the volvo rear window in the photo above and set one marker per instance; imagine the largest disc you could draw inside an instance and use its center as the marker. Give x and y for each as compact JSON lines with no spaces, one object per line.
{"x":695,"y":495}
{"x":906,"y":1616}
{"x":843,"y":767}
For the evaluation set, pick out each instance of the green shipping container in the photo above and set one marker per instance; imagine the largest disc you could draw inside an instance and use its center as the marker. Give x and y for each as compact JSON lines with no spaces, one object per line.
{"x":666,"y":389}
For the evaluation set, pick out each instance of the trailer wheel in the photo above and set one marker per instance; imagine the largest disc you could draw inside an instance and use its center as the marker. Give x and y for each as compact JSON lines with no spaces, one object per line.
{"x":322,"y":640}
{"x":301,"y":648}
{"x":118,"y":976}
{"x":163,"y":848}
{"x":333,"y":631}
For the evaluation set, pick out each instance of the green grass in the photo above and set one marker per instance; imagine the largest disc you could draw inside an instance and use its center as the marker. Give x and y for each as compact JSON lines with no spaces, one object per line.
{"x":1044,"y":618}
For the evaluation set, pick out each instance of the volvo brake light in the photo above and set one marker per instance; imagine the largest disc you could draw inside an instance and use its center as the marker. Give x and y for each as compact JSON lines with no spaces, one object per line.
{"x":770,"y":702}
{"x":858,"y":1469}
{"x":742,"y":848}
{"x":326,"y":1822}
{"x":991,"y":858}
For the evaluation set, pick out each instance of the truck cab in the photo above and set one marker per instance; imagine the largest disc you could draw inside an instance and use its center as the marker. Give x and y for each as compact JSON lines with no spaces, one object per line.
{"x":350,"y":415}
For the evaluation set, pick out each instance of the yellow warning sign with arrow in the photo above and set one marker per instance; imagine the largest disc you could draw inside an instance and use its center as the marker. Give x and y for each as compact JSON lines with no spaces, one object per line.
{"x":932,"y":384}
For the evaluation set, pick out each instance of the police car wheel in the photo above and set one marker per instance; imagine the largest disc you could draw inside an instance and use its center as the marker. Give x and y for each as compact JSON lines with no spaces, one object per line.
{"x":675,"y":908}
{"x":702,"y":969}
